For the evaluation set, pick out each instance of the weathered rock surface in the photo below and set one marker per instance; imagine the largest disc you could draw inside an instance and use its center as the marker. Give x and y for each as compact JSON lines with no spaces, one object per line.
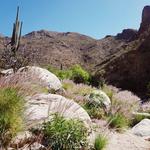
{"x":41,"y":106}
{"x":129,"y":67}
{"x":142,"y":128}
{"x":41,"y":76}
{"x":127,"y":34}
{"x":145,"y":24}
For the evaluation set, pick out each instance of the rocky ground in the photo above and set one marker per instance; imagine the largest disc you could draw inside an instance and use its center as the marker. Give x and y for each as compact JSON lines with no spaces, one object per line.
{"x":127,"y":141}
{"x":39,"y":106}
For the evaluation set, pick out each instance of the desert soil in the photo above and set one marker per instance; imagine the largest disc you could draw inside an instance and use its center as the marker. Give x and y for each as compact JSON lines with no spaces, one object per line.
{"x":127,"y":141}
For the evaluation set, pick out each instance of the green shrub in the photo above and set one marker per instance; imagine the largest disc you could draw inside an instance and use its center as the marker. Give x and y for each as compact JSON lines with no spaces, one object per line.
{"x":52,"y":69}
{"x":61,"y":74}
{"x":64,"y":74}
{"x":79,"y":75}
{"x":136,"y":119}
{"x":64,"y":134}
{"x":11,"y":114}
{"x":109,"y":92}
{"x":76,"y":73}
{"x":118,"y":121}
{"x":100,"y":142}
{"x":94,"y":111}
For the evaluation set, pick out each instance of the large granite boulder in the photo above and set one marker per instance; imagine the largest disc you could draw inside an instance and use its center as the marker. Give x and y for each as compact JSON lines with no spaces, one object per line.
{"x":41,"y":106}
{"x":42,"y":76}
{"x":39,"y":109}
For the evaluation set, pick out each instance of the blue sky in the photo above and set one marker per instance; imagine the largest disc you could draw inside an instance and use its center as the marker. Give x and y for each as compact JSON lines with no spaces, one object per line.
{"x":96,"y":18}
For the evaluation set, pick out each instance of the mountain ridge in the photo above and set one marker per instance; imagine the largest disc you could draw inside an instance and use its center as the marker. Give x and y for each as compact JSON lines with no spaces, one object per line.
{"x":116,"y":55}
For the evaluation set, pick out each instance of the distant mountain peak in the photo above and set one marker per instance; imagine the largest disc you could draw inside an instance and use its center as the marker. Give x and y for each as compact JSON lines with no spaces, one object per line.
{"x":127,"y":35}
{"x":145,"y":24}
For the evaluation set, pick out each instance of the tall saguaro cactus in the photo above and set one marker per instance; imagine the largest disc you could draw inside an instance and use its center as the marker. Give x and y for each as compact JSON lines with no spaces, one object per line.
{"x":16,"y":34}
{"x":11,"y":56}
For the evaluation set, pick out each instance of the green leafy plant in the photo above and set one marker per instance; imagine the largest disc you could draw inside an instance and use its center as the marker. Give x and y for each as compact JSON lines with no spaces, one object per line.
{"x":108,"y":91}
{"x":75,"y":73}
{"x":100,"y":142}
{"x":79,"y":75}
{"x":61,"y":74}
{"x":11,"y":114}
{"x":64,"y":134}
{"x":94,"y":111}
{"x":64,"y":74}
{"x":137,"y":118}
{"x":118,"y":121}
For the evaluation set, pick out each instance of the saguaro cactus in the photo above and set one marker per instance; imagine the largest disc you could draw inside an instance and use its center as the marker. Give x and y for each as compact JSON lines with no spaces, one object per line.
{"x":15,"y":40}
{"x":11,"y":57}
{"x":16,"y":34}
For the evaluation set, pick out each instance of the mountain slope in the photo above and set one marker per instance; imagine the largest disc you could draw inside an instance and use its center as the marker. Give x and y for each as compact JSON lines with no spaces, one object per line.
{"x":131,"y":68}
{"x":123,"y":59}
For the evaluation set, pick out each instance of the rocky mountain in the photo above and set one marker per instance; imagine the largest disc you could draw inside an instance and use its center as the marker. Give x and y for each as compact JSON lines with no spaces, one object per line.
{"x":129,"y":68}
{"x":123,"y":59}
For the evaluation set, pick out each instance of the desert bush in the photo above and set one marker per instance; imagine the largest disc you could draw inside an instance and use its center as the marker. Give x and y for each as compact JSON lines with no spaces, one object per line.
{"x":64,"y":74}
{"x":77,"y":92}
{"x":79,"y":75}
{"x":11,"y":114}
{"x":97,"y":104}
{"x":75,"y":73}
{"x":110,"y":90}
{"x":80,"y":93}
{"x":61,"y":74}
{"x":98,"y":79}
{"x":146,"y":107}
{"x":118,"y":121}
{"x":125,"y":103}
{"x":100,"y":142}
{"x":64,"y":134}
{"x":137,"y":118}
{"x":94,"y":111}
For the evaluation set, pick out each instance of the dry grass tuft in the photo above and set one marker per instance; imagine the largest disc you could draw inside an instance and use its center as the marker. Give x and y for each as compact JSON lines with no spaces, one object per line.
{"x":146,"y":107}
{"x":126,"y":103}
{"x":77,"y":92}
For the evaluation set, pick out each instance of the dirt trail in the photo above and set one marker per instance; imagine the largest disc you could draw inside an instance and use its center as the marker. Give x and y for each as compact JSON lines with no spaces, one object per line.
{"x":126,"y":141}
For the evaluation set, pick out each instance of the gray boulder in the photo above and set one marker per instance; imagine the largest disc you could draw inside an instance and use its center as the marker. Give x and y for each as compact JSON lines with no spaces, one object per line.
{"x":99,"y":98}
{"x":41,"y":106}
{"x":42,"y":76}
{"x":142,"y":128}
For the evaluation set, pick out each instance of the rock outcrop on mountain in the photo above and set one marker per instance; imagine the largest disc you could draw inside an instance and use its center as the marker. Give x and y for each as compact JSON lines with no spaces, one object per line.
{"x":123,"y":59}
{"x":129,"y":68}
{"x":127,"y":34}
{"x":145,"y":19}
